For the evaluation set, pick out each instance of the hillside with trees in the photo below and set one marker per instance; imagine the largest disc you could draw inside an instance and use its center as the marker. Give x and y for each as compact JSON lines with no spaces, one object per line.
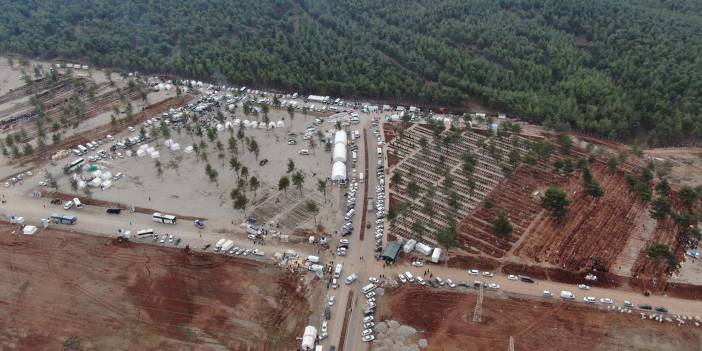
{"x":617,"y":68}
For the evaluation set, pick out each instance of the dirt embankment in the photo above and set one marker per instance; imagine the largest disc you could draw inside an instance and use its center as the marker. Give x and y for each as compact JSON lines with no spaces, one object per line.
{"x":102,"y":294}
{"x":445,"y":319}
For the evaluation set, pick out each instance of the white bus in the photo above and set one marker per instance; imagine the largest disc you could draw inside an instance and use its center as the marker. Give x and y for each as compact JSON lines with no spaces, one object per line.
{"x":164,"y":218}
{"x":145,"y":233}
{"x":75,"y":164}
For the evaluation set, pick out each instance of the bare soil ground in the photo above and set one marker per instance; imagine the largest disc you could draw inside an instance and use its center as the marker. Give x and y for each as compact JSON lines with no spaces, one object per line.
{"x":61,"y":289}
{"x":687,"y":164}
{"x":445,"y":319}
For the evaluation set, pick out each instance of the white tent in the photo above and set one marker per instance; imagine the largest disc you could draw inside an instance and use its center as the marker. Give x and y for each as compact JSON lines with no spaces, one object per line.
{"x":228,"y":125}
{"x":168,"y":142}
{"x":155,"y":154}
{"x":175,"y":147}
{"x":262,"y":125}
{"x":280,"y":124}
{"x":339,"y":153}
{"x":95,"y":182}
{"x":81,"y":184}
{"x":237,"y":122}
{"x":106,"y":176}
{"x":141,"y":153}
{"x":340,"y":137}
{"x":338,"y":171}
{"x":246,"y":123}
{"x":106,"y":185}
{"x":271,"y":124}
{"x":188,"y":149}
{"x":220,"y":127}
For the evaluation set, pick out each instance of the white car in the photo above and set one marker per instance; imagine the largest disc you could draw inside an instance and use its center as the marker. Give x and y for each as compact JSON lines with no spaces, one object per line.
{"x":439,"y":281}
{"x":368,"y":338}
{"x":420,"y":281}
{"x":368,"y":319}
{"x":373,"y":280}
{"x":170,"y":238}
{"x":367,"y":332}
{"x":628,"y":304}
{"x":494,"y":286}
{"x":473,"y":272}
{"x":512,"y":277}
{"x":251,"y":236}
{"x":450,"y":283}
{"x":370,"y":295}
{"x":402,"y":278}
{"x":332,"y":299}
{"x":583,"y":287}
{"x":548,"y":293}
{"x":606,"y":301}
{"x":417,"y":264}
{"x":368,"y":325}
{"x":324,"y":326}
{"x":344,"y":241}
{"x":334,"y":284}
{"x":488,"y":274}
{"x":590,"y":299}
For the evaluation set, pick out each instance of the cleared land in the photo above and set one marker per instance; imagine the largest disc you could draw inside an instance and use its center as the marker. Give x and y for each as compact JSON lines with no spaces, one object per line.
{"x":59,"y":289}
{"x":446,"y":321}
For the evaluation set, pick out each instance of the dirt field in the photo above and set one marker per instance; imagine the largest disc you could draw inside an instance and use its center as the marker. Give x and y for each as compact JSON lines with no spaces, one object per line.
{"x":446,"y":321}
{"x":60,"y":290}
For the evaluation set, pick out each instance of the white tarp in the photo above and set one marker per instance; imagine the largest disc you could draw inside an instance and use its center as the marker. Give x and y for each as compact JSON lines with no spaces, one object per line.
{"x":106,"y":185}
{"x":175,"y":147}
{"x":29,"y":230}
{"x":280,"y":124}
{"x":188,"y":149}
{"x":95,"y":182}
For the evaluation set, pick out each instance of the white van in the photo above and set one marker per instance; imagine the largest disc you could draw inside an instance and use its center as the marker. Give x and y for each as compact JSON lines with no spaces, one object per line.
{"x":337,"y":270}
{"x":409,"y":277}
{"x":304,"y":152}
{"x":313,"y":259}
{"x":82,"y":148}
{"x":68,"y":205}
{"x":349,"y":214}
{"x":77,"y":203}
{"x":360,"y":177}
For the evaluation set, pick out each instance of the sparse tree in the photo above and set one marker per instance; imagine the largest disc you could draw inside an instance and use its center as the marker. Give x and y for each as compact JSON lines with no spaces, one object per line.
{"x":283,"y":184}
{"x":291,"y":165}
{"x":501,"y":225}
{"x":312,"y":207}
{"x":556,"y":201}
{"x":418,"y":229}
{"x":322,"y":187}
{"x":298,"y":179}
{"x":254,"y":184}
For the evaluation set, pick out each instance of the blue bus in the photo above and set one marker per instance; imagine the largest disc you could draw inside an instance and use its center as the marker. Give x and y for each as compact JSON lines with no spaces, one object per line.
{"x":58,"y":219}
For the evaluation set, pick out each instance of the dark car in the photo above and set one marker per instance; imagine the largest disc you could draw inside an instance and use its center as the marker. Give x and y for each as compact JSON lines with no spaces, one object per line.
{"x":661,"y":309}
{"x":645,"y":307}
{"x":526,"y":279}
{"x":368,"y":225}
{"x":114,"y":210}
{"x":433,"y":283}
{"x":263,"y":162}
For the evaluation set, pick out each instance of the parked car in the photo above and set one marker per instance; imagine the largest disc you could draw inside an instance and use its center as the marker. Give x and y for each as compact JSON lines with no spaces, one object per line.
{"x":645,"y":307}
{"x":583,"y":287}
{"x":494,"y":286}
{"x":332,"y":299}
{"x":606,"y":301}
{"x":661,"y":309}
{"x":590,"y":299}
{"x":512,"y":277}
{"x":627,"y":304}
{"x":473,"y":272}
{"x":548,"y":293}
{"x":488,"y":274}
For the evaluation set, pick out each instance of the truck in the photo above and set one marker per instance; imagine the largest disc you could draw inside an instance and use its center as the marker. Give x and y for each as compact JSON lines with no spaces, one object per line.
{"x":227,"y":245}
{"x":567,"y":295}
{"x":337,"y":270}
{"x":219,"y":244}
{"x":436,"y":255}
{"x":77,"y":203}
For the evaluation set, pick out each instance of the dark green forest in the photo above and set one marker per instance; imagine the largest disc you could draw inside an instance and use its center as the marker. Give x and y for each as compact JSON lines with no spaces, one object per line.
{"x":617,"y":68}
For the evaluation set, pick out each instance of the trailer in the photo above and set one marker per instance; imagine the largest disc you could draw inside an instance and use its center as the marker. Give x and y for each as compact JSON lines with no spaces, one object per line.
{"x":59,"y":219}
{"x":423,"y":249}
{"x":436,"y":255}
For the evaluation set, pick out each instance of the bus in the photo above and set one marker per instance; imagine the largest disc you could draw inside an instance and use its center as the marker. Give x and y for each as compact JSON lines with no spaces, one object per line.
{"x":58,"y":219}
{"x":164,"y":218}
{"x":145,"y":233}
{"x":76,"y":164}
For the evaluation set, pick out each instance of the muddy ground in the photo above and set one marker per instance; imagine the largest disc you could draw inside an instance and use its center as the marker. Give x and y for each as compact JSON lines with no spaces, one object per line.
{"x":445,"y":319}
{"x":66,"y":291}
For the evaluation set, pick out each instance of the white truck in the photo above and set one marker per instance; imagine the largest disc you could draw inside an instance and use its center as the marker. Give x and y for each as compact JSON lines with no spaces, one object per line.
{"x":219,"y":244}
{"x":312,"y":259}
{"x":226,"y":246}
{"x":77,"y":203}
{"x":352,"y":278}
{"x":337,"y":270}
{"x":567,"y":295}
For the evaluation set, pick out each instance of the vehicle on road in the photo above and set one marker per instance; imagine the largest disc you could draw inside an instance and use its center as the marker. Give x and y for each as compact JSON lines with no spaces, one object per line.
{"x":567,"y":295}
{"x":114,"y":211}
{"x":645,"y":307}
{"x":583,"y":287}
{"x":488,"y":274}
{"x":512,"y":277}
{"x":68,"y":205}
{"x":450,"y":283}
{"x":409,"y":277}
{"x":494,"y":286}
{"x":590,"y":299}
{"x":661,"y":309}
{"x":526,"y":279}
{"x":402,"y":278}
{"x":606,"y":301}
{"x":627,"y":304}
{"x":548,"y":293}
{"x":332,"y":299}
{"x":473,"y":272}
{"x":334,"y":284}
{"x":351,"y":278}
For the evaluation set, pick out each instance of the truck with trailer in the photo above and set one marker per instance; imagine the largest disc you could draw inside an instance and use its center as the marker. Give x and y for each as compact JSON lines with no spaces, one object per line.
{"x":219,"y":244}
{"x":226,"y":246}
